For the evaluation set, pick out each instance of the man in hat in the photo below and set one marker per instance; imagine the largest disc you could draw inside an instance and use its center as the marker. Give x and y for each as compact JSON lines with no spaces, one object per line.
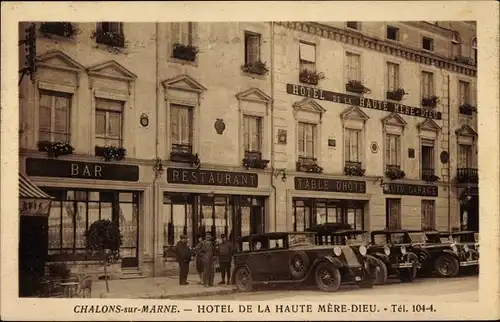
{"x":207,"y":259}
{"x":225,"y":252}
{"x":183,"y":258}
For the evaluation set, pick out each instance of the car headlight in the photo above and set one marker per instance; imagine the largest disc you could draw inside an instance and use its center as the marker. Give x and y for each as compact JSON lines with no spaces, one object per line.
{"x":403,"y":250}
{"x":337,"y":251}
{"x":466,"y":248}
{"x":454,"y":248}
{"x":387,"y":250}
{"x":362,"y":250}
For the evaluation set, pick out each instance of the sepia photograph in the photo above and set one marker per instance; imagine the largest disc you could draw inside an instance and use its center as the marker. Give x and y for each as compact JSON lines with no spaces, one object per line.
{"x":237,"y":162}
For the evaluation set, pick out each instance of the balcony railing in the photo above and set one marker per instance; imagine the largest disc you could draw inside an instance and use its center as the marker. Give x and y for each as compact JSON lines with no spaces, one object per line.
{"x":467,"y":175}
{"x":428,"y":175}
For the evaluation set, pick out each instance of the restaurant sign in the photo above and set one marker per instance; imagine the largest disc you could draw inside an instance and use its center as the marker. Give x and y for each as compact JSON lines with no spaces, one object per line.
{"x":81,"y":170}
{"x":330,"y":185}
{"x":410,"y":189}
{"x":212,"y":178}
{"x":34,"y":206}
{"x":364,"y":102}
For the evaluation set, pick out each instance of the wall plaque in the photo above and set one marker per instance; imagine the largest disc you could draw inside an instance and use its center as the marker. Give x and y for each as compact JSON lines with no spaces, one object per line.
{"x":81,"y":170}
{"x":410,"y":189}
{"x":212,"y":178}
{"x":317,"y":184}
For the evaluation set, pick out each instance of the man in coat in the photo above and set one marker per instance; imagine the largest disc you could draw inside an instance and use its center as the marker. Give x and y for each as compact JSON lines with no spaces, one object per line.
{"x":183,"y":258}
{"x":225,"y":252}
{"x":207,"y":259}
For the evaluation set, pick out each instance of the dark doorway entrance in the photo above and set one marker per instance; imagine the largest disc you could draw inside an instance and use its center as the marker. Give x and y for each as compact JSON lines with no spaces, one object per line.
{"x":469,"y":213}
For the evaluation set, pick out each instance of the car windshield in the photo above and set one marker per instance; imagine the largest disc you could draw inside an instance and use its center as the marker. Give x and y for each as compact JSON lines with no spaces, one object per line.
{"x":380,"y":239}
{"x":355,"y":239}
{"x":300,"y":239}
{"x":418,"y":237}
{"x":398,"y":238}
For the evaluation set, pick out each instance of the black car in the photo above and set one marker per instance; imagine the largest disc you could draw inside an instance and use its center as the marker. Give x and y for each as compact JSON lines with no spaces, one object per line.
{"x":467,"y":237}
{"x":293,"y":257}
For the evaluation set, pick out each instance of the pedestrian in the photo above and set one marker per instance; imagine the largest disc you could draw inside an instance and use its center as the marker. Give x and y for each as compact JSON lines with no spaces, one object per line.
{"x":207,"y":258}
{"x":225,"y":251}
{"x":199,"y":262}
{"x":183,"y":258}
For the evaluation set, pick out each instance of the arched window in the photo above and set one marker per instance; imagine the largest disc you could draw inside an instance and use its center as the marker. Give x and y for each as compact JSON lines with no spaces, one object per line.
{"x":474,"y":50}
{"x":456,"y":45}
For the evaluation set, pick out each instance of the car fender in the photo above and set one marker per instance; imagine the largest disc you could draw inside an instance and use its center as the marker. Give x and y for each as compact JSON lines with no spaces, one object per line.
{"x":382,"y":257}
{"x":450,"y":252}
{"x":330,"y":259}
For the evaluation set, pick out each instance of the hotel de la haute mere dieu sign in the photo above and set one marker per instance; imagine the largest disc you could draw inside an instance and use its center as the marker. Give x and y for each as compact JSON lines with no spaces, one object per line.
{"x":364,"y":102}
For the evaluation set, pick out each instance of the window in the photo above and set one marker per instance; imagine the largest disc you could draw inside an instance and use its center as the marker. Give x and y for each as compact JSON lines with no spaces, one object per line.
{"x":393,"y":213}
{"x":427,"y":157}
{"x":427,"y":84}
{"x":352,"y":145}
{"x":353,"y":25}
{"x":428,"y":215}
{"x":108,"y":122}
{"x":353,"y":67}
{"x":392,"y":151}
{"x":182,"y":33}
{"x":306,"y":138}
{"x":464,"y":156}
{"x":392,"y":33}
{"x":392,"y":76}
{"x":54,"y":117}
{"x":181,"y":128}
{"x":456,"y":45}
{"x":252,"y":48}
{"x":252,"y":132}
{"x":428,"y":44}
{"x":307,"y":54}
{"x":110,"y":33}
{"x":464,"y":93}
{"x":110,"y":27}
{"x":474,"y":49}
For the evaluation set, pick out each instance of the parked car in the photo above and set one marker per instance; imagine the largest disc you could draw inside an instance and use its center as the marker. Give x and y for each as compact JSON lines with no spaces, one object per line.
{"x":467,"y":237}
{"x":293,"y":257}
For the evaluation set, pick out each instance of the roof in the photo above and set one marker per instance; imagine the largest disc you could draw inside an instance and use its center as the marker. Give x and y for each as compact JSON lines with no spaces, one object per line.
{"x":28,"y":189}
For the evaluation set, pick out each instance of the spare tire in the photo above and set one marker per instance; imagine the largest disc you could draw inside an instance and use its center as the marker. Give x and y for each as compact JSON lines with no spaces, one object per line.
{"x":299,"y":264}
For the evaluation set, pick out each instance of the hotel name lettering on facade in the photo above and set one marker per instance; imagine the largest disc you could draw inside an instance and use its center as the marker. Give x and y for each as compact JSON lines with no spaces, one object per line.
{"x":410,"y":189}
{"x":364,"y":102}
{"x":331,"y":185}
{"x":212,"y":178}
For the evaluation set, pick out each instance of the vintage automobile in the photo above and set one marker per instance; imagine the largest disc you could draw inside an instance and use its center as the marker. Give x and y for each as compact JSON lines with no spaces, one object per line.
{"x":467,"y":237}
{"x":293,"y":257}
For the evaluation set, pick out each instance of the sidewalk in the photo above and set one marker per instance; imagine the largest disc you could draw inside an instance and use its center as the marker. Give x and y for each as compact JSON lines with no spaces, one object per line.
{"x":158,"y":288}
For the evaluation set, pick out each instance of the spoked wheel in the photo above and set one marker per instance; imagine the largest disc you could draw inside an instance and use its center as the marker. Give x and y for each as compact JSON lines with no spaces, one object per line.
{"x":243,"y":279}
{"x":446,"y":266}
{"x":327,"y":277}
{"x":381,"y":276}
{"x":299,"y":265}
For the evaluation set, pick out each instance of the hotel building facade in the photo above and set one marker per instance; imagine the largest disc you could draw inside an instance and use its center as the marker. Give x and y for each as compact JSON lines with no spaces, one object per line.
{"x":238,"y":128}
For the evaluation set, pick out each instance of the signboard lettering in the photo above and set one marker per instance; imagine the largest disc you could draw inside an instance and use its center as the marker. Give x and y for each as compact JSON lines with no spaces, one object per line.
{"x":34,"y":206}
{"x":317,"y":184}
{"x":410,"y":189}
{"x":361,"y":101}
{"x":212,"y":178}
{"x":81,"y":170}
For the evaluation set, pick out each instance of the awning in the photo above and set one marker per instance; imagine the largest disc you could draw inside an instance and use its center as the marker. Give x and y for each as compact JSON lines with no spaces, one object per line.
{"x":28,"y":189}
{"x":32,"y":200}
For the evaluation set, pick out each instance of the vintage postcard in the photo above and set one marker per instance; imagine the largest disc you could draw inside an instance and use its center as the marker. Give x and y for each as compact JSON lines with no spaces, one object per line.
{"x":250,"y":160}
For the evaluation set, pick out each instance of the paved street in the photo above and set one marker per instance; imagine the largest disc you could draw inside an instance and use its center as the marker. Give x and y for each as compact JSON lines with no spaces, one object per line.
{"x":435,"y":289}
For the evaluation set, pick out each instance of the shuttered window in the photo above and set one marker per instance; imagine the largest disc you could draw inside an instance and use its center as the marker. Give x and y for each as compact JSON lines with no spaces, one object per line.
{"x":427,"y":84}
{"x":428,"y":213}
{"x":352,"y":145}
{"x":464,"y":156}
{"x":181,"y":128}
{"x":306,"y":138}
{"x":252,"y":132}
{"x":182,"y":32}
{"x":109,"y":122}
{"x":392,"y":76}
{"x":463,"y":93}
{"x":252,"y":48}
{"x":353,"y":66}
{"x":307,"y":54}
{"x":393,"y":150}
{"x":393,"y":213}
{"x":54,"y":115}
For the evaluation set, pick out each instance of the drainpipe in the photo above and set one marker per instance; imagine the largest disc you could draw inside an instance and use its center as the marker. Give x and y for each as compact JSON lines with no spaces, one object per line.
{"x":449,"y":149}
{"x":273,"y":177}
{"x":157,"y":142}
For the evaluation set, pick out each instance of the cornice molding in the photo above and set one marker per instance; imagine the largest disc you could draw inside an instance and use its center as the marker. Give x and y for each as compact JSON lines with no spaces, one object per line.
{"x":363,"y":41}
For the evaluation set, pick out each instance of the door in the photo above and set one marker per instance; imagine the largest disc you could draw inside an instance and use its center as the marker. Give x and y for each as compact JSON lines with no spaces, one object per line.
{"x":126,"y":212}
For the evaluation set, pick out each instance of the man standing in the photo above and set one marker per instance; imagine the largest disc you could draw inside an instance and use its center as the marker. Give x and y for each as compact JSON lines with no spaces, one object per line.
{"x":207,"y":259}
{"x":183,"y":258}
{"x":225,"y":252}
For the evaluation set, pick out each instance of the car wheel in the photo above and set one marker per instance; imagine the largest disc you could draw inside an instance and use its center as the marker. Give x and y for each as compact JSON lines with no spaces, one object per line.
{"x":446,"y":266}
{"x":327,"y":277}
{"x":299,"y":264}
{"x":381,"y":277}
{"x":243,"y":279}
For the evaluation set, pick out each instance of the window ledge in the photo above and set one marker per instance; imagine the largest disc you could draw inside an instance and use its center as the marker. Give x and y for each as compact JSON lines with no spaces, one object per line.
{"x":57,"y":38}
{"x":254,"y":76}
{"x":182,"y":61}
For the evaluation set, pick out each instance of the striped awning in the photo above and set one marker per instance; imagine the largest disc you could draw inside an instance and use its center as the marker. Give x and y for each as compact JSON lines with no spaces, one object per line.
{"x":28,"y":189}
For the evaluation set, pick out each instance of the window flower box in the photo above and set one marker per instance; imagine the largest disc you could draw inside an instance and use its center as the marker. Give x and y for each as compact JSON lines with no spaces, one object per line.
{"x":310,"y":77}
{"x":254,"y":160}
{"x":308,"y":165}
{"x":63,"y":29}
{"x":354,"y":169}
{"x":429,"y":177}
{"x":257,"y":67}
{"x":110,"y":152}
{"x":464,"y":60}
{"x":185,"y":52}
{"x":55,"y":149}
{"x":430,"y":101}
{"x":396,"y":95}
{"x":184,"y":157}
{"x":356,"y":86}
{"x":467,"y":109}
{"x":394,"y":173}
{"x":110,"y":38}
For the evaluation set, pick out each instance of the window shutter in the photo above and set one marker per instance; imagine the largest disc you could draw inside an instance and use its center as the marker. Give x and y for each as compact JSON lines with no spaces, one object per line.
{"x":175,"y":32}
{"x":347,"y":147}
{"x":307,"y":52}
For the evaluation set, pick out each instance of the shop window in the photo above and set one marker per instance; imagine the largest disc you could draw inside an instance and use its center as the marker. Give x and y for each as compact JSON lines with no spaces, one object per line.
{"x":427,"y":43}
{"x":109,"y":122}
{"x":392,"y":77}
{"x":353,"y":62}
{"x":306,"y":140}
{"x":182,"y":33}
{"x":428,"y":215}
{"x":393,"y":213}
{"x":392,"y":151}
{"x":392,"y":33}
{"x":427,"y":163}
{"x":464,"y":93}
{"x":252,"y":47}
{"x":181,"y":128}
{"x":307,"y":56}
{"x":456,"y":45}
{"x":427,"y":84}
{"x":252,"y":132}
{"x":352,"y":25}
{"x":54,"y":117}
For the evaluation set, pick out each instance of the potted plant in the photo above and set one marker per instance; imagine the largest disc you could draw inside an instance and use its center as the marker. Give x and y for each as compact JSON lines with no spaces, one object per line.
{"x":184,"y":52}
{"x":55,"y":149}
{"x":430,"y":177}
{"x":185,"y":157}
{"x":310,"y":77}
{"x":356,"y":86}
{"x":109,"y":38}
{"x":395,"y":173}
{"x":396,"y":94}
{"x":308,"y":165}
{"x":257,"y":67}
{"x":354,"y":169}
{"x":110,"y":152}
{"x":254,"y":160}
{"x":467,"y":109}
{"x":63,"y":29}
{"x":430,"y":101}
{"x":104,"y":238}
{"x":464,"y":60}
